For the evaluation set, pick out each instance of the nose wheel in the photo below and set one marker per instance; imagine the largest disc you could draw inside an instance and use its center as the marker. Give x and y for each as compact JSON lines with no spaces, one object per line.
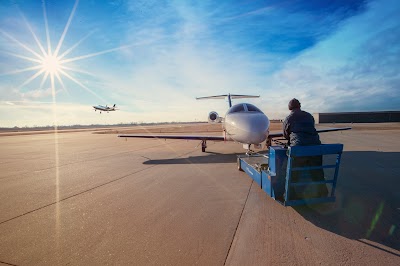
{"x":250,"y":152}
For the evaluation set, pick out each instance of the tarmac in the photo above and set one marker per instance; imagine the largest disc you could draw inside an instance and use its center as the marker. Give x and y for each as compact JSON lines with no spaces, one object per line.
{"x":95,"y":199}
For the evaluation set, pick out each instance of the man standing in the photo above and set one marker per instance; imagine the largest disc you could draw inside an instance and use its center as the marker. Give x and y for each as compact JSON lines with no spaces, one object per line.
{"x":299,"y":130}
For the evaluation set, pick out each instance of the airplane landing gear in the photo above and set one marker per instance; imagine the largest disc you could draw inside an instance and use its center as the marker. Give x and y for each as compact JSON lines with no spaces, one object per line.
{"x":249,"y":151}
{"x":203,"y":145}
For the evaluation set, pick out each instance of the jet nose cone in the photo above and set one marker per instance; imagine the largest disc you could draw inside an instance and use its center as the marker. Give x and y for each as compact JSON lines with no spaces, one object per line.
{"x":257,"y":123}
{"x":257,"y":128}
{"x":251,"y":128}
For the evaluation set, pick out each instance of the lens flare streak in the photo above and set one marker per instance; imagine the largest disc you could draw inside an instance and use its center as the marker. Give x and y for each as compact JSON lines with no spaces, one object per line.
{"x":375,"y":219}
{"x":51,"y":66}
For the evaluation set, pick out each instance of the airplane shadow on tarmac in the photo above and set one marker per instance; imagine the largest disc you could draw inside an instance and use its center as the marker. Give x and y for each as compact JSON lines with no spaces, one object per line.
{"x":367,"y":206}
{"x":210,"y":158}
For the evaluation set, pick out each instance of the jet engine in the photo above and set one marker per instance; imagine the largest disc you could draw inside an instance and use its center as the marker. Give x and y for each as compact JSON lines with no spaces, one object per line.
{"x":214,"y":118}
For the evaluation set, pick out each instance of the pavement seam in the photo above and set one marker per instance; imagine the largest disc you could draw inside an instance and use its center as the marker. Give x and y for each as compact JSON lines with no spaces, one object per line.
{"x":102,"y":157}
{"x":8,"y":263}
{"x":237,"y":226}
{"x":90,"y":189}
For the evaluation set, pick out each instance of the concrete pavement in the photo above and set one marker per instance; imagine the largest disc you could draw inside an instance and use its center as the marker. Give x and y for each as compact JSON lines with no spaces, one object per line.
{"x":87,"y":199}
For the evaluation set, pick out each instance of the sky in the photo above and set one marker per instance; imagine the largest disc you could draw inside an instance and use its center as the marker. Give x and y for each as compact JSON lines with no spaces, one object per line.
{"x":152,"y":58}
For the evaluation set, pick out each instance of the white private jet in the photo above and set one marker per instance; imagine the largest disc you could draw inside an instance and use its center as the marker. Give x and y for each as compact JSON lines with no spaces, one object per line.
{"x":243,"y":123}
{"x":105,"y":108}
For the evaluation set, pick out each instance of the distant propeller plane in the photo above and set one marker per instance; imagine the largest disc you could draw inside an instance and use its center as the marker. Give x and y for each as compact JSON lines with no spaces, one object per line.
{"x":105,"y":108}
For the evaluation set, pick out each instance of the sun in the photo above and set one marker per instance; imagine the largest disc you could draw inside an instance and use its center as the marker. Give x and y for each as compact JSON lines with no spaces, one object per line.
{"x":49,"y":61}
{"x":51,"y":64}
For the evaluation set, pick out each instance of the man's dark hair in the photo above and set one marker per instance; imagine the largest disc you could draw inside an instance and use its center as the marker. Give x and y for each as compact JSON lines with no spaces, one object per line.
{"x":294,"y":104}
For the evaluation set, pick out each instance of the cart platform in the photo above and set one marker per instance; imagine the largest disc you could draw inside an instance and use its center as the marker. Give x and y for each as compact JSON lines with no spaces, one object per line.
{"x":296,"y":175}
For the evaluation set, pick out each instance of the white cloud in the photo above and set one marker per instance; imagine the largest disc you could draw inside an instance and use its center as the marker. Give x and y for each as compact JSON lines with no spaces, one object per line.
{"x":36,"y":94}
{"x":341,"y":73}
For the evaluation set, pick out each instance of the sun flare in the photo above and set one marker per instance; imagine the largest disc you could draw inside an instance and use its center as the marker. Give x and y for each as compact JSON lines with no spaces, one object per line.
{"x":51,"y":64}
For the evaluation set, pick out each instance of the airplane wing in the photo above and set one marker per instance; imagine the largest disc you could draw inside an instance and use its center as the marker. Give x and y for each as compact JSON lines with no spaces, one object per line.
{"x":190,"y":137}
{"x":215,"y":138}
{"x":280,"y":134}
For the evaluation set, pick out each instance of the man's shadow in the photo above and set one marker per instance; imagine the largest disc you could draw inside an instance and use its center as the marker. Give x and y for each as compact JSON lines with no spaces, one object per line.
{"x":367,"y":196}
{"x":367,"y":203}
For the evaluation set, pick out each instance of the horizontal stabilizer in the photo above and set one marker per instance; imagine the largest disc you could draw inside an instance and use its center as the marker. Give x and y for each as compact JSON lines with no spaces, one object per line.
{"x":230,"y":97}
{"x":233,"y":96}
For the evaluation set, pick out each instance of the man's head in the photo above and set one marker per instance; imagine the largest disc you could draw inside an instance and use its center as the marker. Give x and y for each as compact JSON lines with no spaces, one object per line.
{"x":294,"y":104}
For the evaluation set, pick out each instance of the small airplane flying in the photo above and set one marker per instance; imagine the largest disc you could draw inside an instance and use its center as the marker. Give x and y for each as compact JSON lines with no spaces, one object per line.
{"x":105,"y":108}
{"x":243,"y":123}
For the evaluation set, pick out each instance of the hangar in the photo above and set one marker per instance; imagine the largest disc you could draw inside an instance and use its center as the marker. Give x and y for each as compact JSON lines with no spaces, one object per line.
{"x":357,"y":117}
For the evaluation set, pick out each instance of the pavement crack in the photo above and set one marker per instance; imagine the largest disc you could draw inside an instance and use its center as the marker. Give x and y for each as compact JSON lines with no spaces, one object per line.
{"x":94,"y":159}
{"x":77,"y":194}
{"x":87,"y":190}
{"x":8,"y":263}
{"x":237,"y":226}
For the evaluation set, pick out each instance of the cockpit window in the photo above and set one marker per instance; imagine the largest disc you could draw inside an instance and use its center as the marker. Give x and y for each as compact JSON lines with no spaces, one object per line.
{"x":236,"y":109}
{"x":252,"y":108}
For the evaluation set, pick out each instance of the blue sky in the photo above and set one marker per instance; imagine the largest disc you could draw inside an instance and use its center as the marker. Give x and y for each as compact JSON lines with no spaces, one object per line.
{"x":152,"y":58}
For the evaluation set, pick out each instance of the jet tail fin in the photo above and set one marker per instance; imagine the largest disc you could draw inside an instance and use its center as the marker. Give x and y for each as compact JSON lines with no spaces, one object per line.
{"x":230,"y":97}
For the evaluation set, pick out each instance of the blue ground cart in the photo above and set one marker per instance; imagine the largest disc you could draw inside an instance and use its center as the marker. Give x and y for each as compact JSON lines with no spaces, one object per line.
{"x":282,"y":174}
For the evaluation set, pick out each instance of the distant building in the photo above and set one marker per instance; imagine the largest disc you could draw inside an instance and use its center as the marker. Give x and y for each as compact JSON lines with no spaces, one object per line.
{"x":357,"y":117}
